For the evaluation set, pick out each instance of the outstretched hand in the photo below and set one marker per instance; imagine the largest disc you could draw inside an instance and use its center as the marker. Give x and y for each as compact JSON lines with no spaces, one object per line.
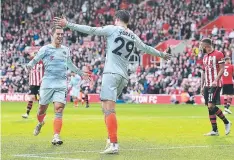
{"x":60,"y":21}
{"x":167,"y":54}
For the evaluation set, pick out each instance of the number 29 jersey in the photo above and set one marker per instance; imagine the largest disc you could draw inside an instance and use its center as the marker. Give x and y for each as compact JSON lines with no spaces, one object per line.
{"x":120,"y":45}
{"x":227,"y":77}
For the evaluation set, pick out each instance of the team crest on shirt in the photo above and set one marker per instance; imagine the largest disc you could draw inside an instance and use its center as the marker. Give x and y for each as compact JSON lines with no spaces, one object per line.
{"x":51,"y":58}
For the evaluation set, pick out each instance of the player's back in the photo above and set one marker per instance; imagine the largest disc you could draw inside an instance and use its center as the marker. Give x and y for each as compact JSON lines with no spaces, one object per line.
{"x":228,"y":74}
{"x":120,"y":45}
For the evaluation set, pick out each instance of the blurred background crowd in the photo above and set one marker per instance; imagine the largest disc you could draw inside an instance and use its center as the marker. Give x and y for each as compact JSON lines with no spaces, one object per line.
{"x":25,"y":24}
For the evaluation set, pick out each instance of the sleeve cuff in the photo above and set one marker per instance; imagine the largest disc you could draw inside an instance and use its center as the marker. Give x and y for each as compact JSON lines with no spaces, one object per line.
{"x":220,"y":62}
{"x":67,"y":24}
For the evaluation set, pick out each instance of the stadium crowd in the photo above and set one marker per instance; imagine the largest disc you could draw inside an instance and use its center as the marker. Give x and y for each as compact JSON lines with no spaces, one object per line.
{"x":26,"y":24}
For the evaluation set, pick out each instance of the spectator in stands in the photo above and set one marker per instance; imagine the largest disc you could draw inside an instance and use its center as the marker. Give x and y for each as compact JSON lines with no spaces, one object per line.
{"x":231,"y":35}
{"x":186,"y":98}
{"x":214,"y":31}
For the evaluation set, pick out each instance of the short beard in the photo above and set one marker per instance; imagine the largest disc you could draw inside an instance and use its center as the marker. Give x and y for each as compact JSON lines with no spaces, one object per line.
{"x":204,"y":51}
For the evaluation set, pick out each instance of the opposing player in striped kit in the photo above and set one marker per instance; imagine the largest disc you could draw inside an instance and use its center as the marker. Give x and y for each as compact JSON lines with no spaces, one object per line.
{"x":213,"y":66}
{"x":35,"y":78}
{"x":121,"y":42}
{"x":56,"y":60}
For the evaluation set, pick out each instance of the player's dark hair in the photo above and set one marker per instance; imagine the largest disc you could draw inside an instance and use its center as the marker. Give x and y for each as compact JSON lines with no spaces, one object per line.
{"x":207,"y":41}
{"x":53,"y":28}
{"x":123,"y":15}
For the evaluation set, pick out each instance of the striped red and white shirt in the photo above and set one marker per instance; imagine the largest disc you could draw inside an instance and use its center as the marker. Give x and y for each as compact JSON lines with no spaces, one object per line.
{"x":36,"y":74}
{"x":211,"y":63}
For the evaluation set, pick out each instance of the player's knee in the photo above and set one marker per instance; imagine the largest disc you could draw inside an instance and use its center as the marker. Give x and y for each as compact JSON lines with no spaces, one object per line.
{"x":211,"y":106}
{"x":59,"y":115}
{"x":213,"y":109}
{"x":59,"y":109}
{"x":108,"y":105}
{"x":41,"y":111}
{"x":107,"y":112}
{"x":32,"y":97}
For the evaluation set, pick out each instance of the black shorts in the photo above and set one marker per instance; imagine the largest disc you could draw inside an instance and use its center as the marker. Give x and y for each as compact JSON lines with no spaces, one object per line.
{"x":85,"y":89}
{"x":34,"y":90}
{"x":212,"y":95}
{"x":228,"y":89}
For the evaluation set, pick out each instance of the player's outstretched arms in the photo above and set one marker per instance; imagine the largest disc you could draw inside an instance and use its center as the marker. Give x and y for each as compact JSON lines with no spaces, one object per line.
{"x":36,"y":59}
{"x":150,"y":50}
{"x":73,"y":68}
{"x":99,"y":31}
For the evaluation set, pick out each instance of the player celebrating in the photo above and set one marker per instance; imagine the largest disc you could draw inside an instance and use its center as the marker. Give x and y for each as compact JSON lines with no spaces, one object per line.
{"x":35,"y":78}
{"x":228,"y":84}
{"x":213,"y":65}
{"x":75,"y":88}
{"x":120,"y":44}
{"x":56,"y":59}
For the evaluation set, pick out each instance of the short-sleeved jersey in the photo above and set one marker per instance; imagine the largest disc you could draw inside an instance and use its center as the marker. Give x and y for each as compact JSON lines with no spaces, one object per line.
{"x":56,"y":61}
{"x":75,"y":82}
{"x":120,"y":44}
{"x":228,"y":74}
{"x":211,"y":67}
{"x":36,"y":74}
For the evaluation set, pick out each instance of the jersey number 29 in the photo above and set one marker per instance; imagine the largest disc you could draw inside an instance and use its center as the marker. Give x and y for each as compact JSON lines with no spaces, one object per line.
{"x":129,"y":47}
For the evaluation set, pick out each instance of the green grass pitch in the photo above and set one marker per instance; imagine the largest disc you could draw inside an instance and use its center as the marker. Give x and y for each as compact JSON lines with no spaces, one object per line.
{"x":146,"y":132}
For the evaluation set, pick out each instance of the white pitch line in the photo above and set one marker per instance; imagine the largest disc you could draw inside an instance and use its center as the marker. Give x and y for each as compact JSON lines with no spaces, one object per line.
{"x":43,"y":157}
{"x":121,"y":117}
{"x":133,"y":149}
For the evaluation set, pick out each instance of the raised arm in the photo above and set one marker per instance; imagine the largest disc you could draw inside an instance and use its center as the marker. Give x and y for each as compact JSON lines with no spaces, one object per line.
{"x":40,"y":54}
{"x":148,"y":49}
{"x":99,"y":31}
